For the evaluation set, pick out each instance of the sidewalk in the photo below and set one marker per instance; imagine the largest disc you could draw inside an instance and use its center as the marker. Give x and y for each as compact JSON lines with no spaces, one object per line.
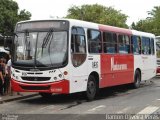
{"x":15,"y":96}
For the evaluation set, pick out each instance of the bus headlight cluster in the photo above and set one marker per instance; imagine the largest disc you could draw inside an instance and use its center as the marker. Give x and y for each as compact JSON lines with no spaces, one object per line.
{"x":60,"y":76}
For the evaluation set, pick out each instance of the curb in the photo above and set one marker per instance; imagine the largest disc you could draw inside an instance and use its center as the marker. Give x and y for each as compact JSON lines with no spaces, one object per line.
{"x":17,"y":98}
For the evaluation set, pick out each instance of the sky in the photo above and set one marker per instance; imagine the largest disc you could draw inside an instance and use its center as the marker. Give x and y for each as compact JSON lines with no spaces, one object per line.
{"x":44,"y":9}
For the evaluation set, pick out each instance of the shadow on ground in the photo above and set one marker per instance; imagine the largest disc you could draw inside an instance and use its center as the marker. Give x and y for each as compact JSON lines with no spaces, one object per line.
{"x":79,"y":98}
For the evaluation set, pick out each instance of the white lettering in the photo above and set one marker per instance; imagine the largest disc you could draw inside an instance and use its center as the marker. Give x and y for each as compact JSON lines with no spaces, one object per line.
{"x":115,"y":66}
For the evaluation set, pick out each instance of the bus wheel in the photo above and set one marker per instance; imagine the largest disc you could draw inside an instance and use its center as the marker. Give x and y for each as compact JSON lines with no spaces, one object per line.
{"x":137,"y":79}
{"x":91,"y":88}
{"x":46,"y":95}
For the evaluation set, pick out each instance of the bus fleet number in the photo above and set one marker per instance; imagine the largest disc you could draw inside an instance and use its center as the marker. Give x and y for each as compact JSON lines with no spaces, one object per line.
{"x":95,"y":64}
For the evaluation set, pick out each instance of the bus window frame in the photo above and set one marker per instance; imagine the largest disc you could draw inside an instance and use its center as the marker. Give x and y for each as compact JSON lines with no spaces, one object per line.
{"x":118,"y":43}
{"x":140,"y":39}
{"x":80,"y":57}
{"x":115,"y":42}
{"x":143,"y":38}
{"x":152,"y":51}
{"x":99,"y":43}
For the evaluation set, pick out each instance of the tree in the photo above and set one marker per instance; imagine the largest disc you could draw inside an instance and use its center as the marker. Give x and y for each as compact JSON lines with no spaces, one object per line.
{"x":98,"y":14}
{"x":150,"y":24}
{"x":24,"y":15}
{"x":9,"y":16}
{"x":155,"y":17}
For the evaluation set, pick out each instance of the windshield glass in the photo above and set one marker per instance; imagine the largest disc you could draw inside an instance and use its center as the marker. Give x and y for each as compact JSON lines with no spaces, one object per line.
{"x":40,"y":49}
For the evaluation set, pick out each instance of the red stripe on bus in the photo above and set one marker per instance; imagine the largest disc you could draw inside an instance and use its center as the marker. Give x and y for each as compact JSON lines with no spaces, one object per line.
{"x":115,"y":29}
{"x":116,"y":69}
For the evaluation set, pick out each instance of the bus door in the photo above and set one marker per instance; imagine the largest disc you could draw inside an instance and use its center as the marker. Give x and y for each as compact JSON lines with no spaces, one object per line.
{"x":147,"y":58}
{"x":78,"y":59}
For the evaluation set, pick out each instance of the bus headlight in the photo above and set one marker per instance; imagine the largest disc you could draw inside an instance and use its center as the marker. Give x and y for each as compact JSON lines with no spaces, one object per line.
{"x":60,"y":75}
{"x":17,"y":77}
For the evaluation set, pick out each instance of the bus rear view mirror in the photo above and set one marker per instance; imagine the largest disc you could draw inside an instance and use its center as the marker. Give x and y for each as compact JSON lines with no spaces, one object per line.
{"x":7,"y":43}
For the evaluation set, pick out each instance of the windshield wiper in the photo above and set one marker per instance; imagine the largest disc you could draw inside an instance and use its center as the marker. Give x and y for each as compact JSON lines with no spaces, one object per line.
{"x":47,"y":38}
{"x":27,"y":44}
{"x":15,"y":35}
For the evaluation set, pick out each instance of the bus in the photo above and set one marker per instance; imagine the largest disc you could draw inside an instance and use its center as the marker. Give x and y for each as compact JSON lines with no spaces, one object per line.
{"x":69,"y":56}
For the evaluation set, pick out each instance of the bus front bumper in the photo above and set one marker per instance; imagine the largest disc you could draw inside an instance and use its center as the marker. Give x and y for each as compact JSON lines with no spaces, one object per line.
{"x":54,"y":87}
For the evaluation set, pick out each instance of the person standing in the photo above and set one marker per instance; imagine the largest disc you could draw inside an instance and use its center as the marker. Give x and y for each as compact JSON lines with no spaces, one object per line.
{"x":4,"y":76}
{"x":8,"y":76}
{"x":1,"y":77}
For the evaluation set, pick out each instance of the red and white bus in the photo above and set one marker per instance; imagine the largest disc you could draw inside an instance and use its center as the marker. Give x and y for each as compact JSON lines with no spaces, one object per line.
{"x":68,"y":56}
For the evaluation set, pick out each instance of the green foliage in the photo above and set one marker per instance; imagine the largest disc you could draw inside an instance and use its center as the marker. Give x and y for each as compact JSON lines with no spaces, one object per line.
{"x":98,"y":14}
{"x":150,"y":24}
{"x":9,"y":16}
{"x":24,"y":15}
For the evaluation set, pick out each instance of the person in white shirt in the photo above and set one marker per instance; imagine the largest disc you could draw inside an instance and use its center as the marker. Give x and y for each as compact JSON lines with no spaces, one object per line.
{"x":8,"y":77}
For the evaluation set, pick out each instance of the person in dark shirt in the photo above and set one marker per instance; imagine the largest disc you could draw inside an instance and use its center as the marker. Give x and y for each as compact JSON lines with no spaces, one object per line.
{"x":7,"y":83}
{"x":1,"y":77}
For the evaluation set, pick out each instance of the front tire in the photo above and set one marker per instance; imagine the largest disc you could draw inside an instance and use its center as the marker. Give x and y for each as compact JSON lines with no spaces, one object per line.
{"x":137,"y":79}
{"x":91,"y":88}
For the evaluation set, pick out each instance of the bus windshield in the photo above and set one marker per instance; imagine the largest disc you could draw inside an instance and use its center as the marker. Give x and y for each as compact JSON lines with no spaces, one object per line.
{"x":40,"y":49}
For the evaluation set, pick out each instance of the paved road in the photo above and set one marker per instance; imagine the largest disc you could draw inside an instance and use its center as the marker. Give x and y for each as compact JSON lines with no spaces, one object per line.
{"x":115,"y":100}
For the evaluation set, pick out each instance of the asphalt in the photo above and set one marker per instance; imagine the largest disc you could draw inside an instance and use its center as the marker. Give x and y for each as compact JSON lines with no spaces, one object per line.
{"x":16,"y":96}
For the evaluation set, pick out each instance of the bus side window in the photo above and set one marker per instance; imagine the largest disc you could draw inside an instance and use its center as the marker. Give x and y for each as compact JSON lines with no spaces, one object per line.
{"x":124,"y":44}
{"x":109,"y":42}
{"x":152,"y":46}
{"x":78,"y":46}
{"x":145,"y":45}
{"x":136,"y":41}
{"x":73,"y":43}
{"x":94,"y":41}
{"x":139,"y":44}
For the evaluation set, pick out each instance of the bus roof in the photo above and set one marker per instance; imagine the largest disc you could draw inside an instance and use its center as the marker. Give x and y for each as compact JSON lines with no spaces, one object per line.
{"x":115,"y":29}
{"x":139,"y":33}
{"x":85,"y":24}
{"x":73,"y":22}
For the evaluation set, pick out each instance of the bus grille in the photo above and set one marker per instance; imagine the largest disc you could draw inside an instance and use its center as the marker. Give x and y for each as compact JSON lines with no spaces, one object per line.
{"x":36,"y":78}
{"x":35,"y":87}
